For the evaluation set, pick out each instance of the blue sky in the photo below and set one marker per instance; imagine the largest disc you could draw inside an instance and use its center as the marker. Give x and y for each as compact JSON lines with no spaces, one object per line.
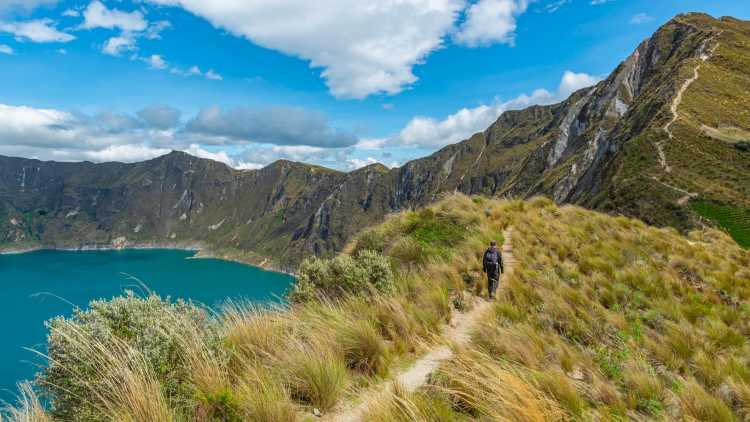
{"x":341,"y":83}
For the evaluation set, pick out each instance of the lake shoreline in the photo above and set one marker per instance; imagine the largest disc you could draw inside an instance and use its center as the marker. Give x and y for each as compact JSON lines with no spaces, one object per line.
{"x":202,"y":252}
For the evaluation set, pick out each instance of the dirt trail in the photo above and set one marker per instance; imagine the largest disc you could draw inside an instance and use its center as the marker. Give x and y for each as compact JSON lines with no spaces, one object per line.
{"x":416,"y":376}
{"x":687,"y":195}
{"x":704,"y":56}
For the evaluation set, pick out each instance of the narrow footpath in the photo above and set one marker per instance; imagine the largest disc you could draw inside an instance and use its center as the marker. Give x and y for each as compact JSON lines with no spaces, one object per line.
{"x":677,"y":101}
{"x":457,"y":333}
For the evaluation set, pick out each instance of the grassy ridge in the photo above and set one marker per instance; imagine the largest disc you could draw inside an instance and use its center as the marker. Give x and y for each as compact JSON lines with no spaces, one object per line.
{"x":604,"y":318}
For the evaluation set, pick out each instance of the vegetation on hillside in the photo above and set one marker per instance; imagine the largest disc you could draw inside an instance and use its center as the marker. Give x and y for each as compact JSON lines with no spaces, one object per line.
{"x":351,"y":321}
{"x":735,"y":220}
{"x":604,"y":318}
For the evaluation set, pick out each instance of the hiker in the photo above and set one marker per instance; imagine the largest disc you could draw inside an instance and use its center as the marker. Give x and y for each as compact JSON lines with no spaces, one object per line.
{"x":492,"y":265}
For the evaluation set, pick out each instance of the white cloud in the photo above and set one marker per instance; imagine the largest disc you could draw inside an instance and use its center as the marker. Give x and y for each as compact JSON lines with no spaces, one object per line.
{"x":153,"y":131}
{"x":598,"y":2}
{"x":125,"y":153}
{"x":97,"y":15}
{"x":357,"y":163}
{"x":427,"y":132}
{"x":153,"y":32}
{"x":6,"y":49}
{"x":371,"y":143}
{"x":40,"y":31}
{"x":160,"y":116}
{"x":555,"y":5}
{"x":363,"y":47}
{"x":115,"y":46}
{"x":641,"y":18}
{"x":289,"y":126}
{"x":490,"y":21}
{"x":213,"y":75}
{"x":71,"y":13}
{"x":220,"y":156}
{"x":24,"y":5}
{"x":156,"y":61}
{"x":572,"y":82}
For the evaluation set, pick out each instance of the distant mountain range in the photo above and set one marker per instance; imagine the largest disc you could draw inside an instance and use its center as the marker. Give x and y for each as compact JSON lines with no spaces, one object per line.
{"x":663,"y":138}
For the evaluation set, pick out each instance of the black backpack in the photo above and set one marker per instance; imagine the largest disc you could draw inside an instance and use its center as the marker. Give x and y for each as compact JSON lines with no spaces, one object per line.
{"x":490,"y":259}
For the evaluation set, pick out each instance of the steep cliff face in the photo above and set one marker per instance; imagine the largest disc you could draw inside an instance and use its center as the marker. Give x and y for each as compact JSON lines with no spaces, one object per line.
{"x":656,"y":135}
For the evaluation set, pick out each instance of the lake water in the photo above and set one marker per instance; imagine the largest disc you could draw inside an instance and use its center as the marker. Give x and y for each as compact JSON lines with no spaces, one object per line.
{"x":39,"y":285}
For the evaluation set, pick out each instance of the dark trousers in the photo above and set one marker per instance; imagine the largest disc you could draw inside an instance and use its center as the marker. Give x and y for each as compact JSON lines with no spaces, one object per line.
{"x":493,"y":279}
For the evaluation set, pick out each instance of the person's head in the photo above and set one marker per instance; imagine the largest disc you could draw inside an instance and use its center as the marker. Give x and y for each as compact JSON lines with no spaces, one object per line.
{"x":493,"y":243}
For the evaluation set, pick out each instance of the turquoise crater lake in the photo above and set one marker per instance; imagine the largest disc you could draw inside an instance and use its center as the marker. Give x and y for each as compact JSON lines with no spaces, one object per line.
{"x":37,"y":286}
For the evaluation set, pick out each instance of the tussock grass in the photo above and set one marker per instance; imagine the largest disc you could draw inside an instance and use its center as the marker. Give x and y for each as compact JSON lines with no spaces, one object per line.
{"x":28,"y":409}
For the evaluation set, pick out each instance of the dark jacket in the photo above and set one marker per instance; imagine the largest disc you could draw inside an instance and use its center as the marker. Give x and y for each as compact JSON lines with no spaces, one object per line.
{"x":492,"y":263}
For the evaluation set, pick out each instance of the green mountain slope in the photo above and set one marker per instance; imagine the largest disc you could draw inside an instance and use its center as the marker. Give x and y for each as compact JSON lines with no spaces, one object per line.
{"x":661,"y":132}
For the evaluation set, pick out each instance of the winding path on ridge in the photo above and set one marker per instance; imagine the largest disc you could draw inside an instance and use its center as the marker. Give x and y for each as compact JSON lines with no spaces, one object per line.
{"x":674,"y":107}
{"x":417,"y":375}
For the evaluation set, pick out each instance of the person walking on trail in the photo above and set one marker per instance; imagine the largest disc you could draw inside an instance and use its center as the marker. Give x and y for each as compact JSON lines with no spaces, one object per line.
{"x":492,"y":264}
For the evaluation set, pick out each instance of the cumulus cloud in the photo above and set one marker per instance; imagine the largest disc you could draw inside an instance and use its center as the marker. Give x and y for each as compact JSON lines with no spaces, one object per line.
{"x":40,"y":31}
{"x":280,"y":126}
{"x":213,"y":75}
{"x":115,"y":46}
{"x":160,"y":116}
{"x":155,"y":61}
{"x":427,"y":132}
{"x":490,"y":21}
{"x":6,"y":49}
{"x":572,"y":82}
{"x":357,"y":163}
{"x":23,"y":5}
{"x":125,"y":153}
{"x":153,"y":32}
{"x":196,"y":71}
{"x":153,"y":131}
{"x":362,"y":47}
{"x":97,"y":15}
{"x":132,"y":26}
{"x":50,"y":133}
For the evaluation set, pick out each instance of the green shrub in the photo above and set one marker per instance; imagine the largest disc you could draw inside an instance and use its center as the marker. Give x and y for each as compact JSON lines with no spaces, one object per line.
{"x":367,"y":271}
{"x":145,"y":324}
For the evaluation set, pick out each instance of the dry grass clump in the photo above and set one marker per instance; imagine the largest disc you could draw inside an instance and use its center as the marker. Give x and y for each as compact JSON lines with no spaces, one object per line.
{"x":401,"y":406}
{"x":28,"y":409}
{"x":316,"y":375}
{"x":483,"y":387}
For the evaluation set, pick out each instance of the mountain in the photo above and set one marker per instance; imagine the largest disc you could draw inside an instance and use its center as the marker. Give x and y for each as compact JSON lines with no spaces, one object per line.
{"x":662,"y":138}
